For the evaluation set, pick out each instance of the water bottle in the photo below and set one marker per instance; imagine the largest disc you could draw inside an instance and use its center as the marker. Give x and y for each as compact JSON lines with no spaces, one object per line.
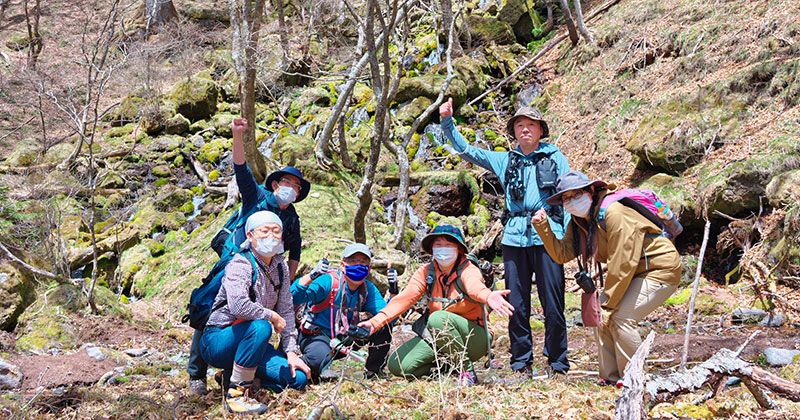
{"x":672,"y":226}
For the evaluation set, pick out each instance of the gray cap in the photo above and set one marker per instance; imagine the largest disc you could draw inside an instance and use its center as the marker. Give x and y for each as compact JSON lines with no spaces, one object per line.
{"x":356,"y":248}
{"x":574,"y":180}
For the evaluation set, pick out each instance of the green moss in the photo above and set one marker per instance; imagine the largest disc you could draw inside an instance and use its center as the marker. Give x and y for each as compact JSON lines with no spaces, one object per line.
{"x":490,"y":30}
{"x":213,"y":175}
{"x":211,"y":151}
{"x":195,"y":98}
{"x":187,"y":208}
{"x":680,"y":298}
{"x":17,"y":41}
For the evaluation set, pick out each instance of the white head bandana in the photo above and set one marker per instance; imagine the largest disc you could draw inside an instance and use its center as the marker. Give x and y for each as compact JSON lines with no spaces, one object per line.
{"x":258,"y":219}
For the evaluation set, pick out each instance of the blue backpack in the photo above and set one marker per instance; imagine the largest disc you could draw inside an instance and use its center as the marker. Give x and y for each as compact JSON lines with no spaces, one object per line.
{"x":201,"y":303}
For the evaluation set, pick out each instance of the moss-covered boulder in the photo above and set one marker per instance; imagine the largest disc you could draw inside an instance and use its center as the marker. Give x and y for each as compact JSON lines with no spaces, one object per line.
{"x":469,"y":70}
{"x":177,"y":124}
{"x":410,"y":111}
{"x":171,"y":198}
{"x":195,"y":98}
{"x":25,"y":154}
{"x":679,"y":132}
{"x":111,"y":179}
{"x":130,"y":263}
{"x":315,"y":95}
{"x":18,"y":41}
{"x":448,"y":193}
{"x":429,"y":86}
{"x":211,"y":151}
{"x":16,"y":294}
{"x":792,"y":370}
{"x":205,"y":11}
{"x":738,"y":186}
{"x":784,"y":189}
{"x":490,"y":30}
{"x":128,"y":111}
{"x":222,"y":124}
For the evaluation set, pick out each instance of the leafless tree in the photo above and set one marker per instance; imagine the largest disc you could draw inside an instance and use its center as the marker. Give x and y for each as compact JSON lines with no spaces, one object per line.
{"x":156,"y":13}
{"x":384,"y":84}
{"x":447,"y":21}
{"x":283,"y":31}
{"x":35,"y":42}
{"x":246,"y":18}
{"x":399,"y":151}
{"x":581,"y":23}
{"x":573,"y":32}
{"x":80,"y":104}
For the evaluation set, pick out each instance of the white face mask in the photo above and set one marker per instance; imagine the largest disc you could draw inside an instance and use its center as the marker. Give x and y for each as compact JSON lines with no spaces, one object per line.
{"x":285,"y":195}
{"x":445,"y":256}
{"x":579,"y":206}
{"x":269,"y":246}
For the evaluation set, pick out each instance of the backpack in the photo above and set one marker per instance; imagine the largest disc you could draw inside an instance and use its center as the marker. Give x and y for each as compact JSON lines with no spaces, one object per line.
{"x":546,"y":177}
{"x":308,"y":311}
{"x":649,"y":205}
{"x":201,"y":303}
{"x":223,"y":243}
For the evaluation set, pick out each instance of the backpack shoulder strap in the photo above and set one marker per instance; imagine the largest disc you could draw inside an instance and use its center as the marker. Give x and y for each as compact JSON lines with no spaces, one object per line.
{"x":430,"y":279}
{"x":329,"y":301}
{"x":460,"y":281}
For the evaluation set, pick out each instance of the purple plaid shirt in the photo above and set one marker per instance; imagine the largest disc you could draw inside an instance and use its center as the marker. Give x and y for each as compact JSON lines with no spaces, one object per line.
{"x":271,"y":296}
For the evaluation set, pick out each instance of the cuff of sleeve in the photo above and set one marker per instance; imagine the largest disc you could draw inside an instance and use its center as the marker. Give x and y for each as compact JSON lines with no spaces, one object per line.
{"x":378,"y":321}
{"x":447,"y":121}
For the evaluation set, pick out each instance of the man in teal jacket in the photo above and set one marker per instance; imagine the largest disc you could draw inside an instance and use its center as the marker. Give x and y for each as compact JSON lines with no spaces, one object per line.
{"x":528,"y":174}
{"x":336,"y":298}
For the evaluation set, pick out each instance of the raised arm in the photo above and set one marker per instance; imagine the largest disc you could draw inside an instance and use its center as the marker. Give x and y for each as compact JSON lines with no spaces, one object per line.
{"x":490,"y":160}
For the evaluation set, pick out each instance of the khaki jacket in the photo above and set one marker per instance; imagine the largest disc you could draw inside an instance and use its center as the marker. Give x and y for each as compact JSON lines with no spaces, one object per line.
{"x":628,"y":246}
{"x":472,"y":279}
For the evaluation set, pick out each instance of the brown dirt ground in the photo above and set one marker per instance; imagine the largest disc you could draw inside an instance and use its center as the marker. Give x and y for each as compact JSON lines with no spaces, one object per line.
{"x":53,"y":371}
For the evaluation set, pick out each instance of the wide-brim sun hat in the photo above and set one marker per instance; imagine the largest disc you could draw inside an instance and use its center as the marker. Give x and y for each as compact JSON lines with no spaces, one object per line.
{"x":531,"y":113}
{"x":305,"y":186}
{"x":571,"y":181}
{"x":449,"y":231}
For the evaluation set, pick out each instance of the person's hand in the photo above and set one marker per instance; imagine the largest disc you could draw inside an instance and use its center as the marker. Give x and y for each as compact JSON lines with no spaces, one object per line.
{"x":446,"y":109}
{"x":368,"y":325}
{"x":391,"y":279}
{"x":238,"y":127}
{"x":278,"y":323}
{"x":323,"y":266}
{"x":498,"y":303}
{"x":295,"y":363}
{"x":539,"y":217}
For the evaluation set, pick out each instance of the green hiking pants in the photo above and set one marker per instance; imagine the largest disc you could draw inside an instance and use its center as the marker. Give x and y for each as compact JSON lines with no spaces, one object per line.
{"x":457,"y":343}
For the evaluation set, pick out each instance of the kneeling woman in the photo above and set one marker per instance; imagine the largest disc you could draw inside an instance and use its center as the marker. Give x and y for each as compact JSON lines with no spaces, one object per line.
{"x":644,"y":267}
{"x":455,"y":332}
{"x":253,"y":302}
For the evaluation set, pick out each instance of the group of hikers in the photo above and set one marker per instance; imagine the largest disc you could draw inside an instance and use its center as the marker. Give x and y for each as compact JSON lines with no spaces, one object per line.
{"x":552,"y":216}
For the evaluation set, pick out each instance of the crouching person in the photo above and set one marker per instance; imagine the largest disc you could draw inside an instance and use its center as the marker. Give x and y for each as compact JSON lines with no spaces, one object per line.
{"x":644,"y":267}
{"x":334,"y":300}
{"x":254,"y":302}
{"x":453,"y":330}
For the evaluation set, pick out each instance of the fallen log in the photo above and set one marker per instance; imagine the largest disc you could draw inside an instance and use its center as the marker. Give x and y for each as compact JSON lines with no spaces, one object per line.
{"x":630,"y":404}
{"x":488,"y":238}
{"x":724,"y":363}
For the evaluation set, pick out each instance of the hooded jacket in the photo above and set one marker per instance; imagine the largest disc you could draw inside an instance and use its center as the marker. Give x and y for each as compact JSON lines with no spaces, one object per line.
{"x":631,"y":246}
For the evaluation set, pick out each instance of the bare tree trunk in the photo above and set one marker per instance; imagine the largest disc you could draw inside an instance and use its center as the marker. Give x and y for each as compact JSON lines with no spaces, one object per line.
{"x":573,"y":32}
{"x":3,"y":6}
{"x":447,"y":20}
{"x":283,"y":32}
{"x":549,"y":24}
{"x":580,"y":23}
{"x":690,"y":316}
{"x":35,"y":42}
{"x":343,"y":154}
{"x":246,"y":17}
{"x":157,"y":13}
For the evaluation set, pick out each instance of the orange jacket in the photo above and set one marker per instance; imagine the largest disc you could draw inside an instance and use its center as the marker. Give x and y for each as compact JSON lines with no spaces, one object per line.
{"x":472,"y":279}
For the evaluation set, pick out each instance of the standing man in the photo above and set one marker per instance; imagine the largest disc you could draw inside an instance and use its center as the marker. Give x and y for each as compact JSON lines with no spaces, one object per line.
{"x":528,"y":175}
{"x":280,"y":191}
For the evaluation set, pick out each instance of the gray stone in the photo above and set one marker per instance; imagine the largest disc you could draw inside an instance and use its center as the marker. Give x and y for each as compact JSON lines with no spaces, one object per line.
{"x":779,"y":357}
{"x":748,"y":316}
{"x":137,"y":352}
{"x":96,"y":353}
{"x":774,"y":320}
{"x":10,"y":376}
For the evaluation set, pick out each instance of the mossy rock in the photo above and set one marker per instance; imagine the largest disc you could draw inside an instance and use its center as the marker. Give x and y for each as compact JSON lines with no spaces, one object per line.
{"x":680,"y":297}
{"x":736,"y":187}
{"x":18,"y":42}
{"x":470,"y":70}
{"x":111,"y":179}
{"x":676,"y":135}
{"x":502,"y":59}
{"x":121,"y":131}
{"x":59,"y":153}
{"x":211,"y":151}
{"x":16,"y":294}
{"x":315,"y":95}
{"x":175,"y":238}
{"x":148,"y":219}
{"x":195,"y":98}
{"x":25,"y":154}
{"x":429,"y":86}
{"x":178,"y":124}
{"x":229,"y":85}
{"x":128,"y":111}
{"x":784,"y":189}
{"x":791,"y":371}
{"x":478,"y":222}
{"x":786,"y":83}
{"x":131,"y":262}
{"x":199,"y":126}
{"x":161,"y":171}
{"x":409,"y":112}
{"x":363,"y":96}
{"x":213,"y":175}
{"x":205,"y":11}
{"x":490,"y":30}
{"x":171,"y":198}
{"x":222,"y":124}
{"x":435,"y":219}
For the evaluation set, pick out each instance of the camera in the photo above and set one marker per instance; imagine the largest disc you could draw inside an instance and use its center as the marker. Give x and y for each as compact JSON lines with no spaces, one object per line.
{"x":585,"y":281}
{"x":357,"y":332}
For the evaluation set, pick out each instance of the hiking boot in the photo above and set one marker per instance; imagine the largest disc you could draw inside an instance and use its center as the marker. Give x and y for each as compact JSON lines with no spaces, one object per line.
{"x":518,"y":377}
{"x":328,"y":375}
{"x":221,"y":379}
{"x":467,"y":378}
{"x":238,"y":400}
{"x":198,"y":387}
{"x":370,"y":375}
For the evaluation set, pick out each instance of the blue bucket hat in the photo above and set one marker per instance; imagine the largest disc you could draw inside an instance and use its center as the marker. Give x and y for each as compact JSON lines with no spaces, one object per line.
{"x":305,"y":186}
{"x":444,"y":230}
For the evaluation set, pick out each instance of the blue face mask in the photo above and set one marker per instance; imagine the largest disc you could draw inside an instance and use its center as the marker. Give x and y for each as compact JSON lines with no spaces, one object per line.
{"x":356,"y":272}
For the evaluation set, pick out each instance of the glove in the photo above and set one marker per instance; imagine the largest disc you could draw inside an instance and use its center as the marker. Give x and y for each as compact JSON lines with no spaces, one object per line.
{"x":391,"y":278}
{"x":322,"y":267}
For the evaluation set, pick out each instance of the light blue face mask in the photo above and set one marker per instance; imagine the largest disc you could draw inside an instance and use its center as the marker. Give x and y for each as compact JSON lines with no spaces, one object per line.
{"x":269,"y":246}
{"x":285,"y":195}
{"x":445,"y":255}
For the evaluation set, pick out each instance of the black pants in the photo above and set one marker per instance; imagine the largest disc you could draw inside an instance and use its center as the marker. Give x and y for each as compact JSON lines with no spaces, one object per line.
{"x":316,"y":350}
{"x":197,"y":367}
{"x":520,"y":265}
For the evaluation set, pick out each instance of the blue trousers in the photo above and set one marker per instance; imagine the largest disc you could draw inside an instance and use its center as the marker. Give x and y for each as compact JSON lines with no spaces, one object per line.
{"x":520,"y":265}
{"x":247,"y":345}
